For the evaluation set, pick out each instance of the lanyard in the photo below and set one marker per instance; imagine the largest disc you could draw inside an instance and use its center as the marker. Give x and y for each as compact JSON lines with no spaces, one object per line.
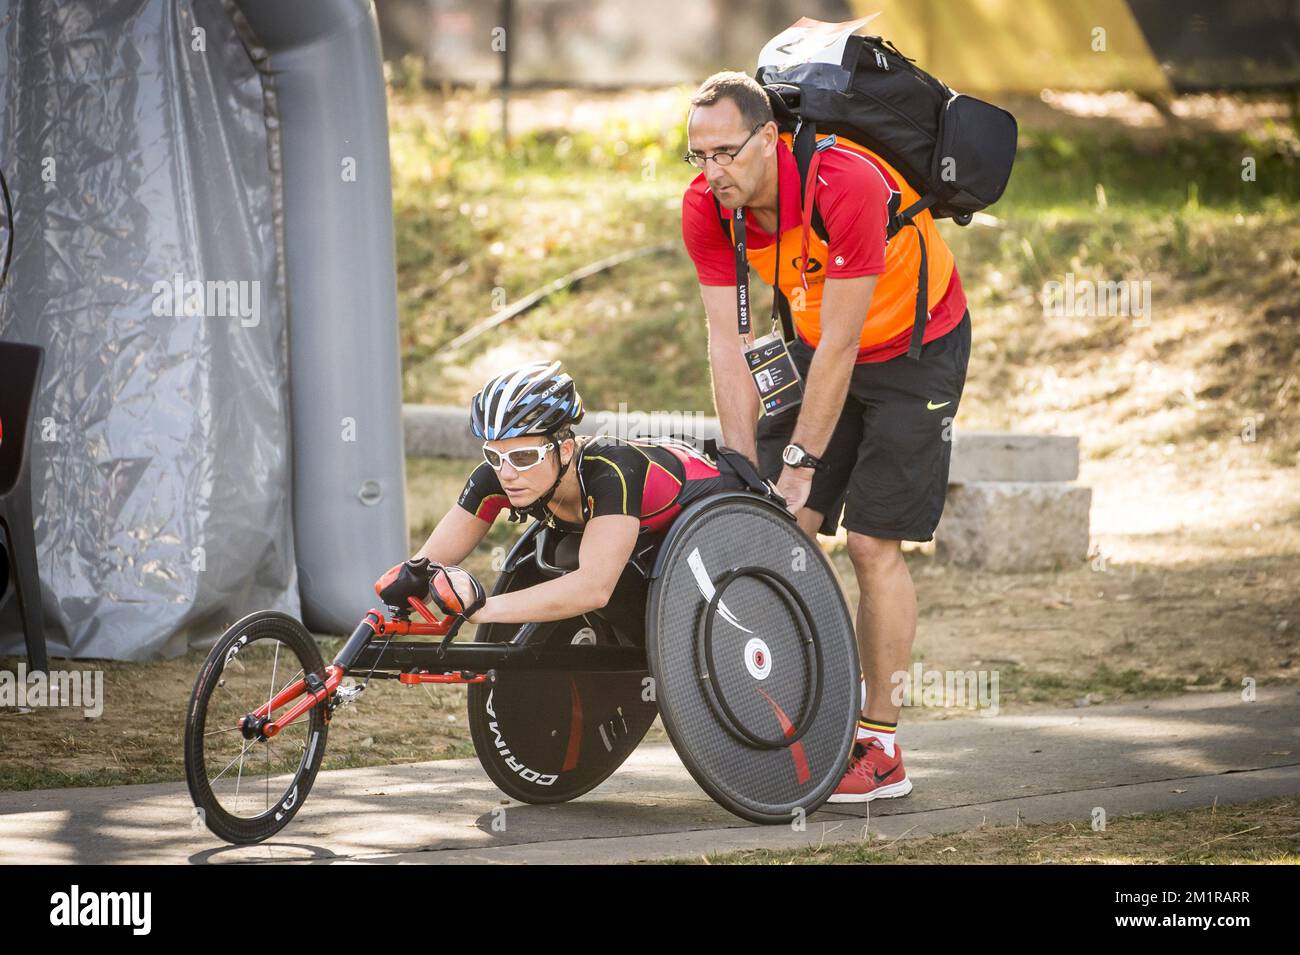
{"x":742,"y":264}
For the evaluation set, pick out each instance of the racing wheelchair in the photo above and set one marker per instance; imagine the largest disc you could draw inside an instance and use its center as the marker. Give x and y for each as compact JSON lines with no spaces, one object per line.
{"x":730,"y":625}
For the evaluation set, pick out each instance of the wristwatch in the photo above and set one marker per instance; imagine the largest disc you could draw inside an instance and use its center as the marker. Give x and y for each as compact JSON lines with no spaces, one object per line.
{"x":797,"y":457}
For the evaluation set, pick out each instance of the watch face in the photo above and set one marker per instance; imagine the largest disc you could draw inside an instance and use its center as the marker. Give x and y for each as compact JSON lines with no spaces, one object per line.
{"x":791,"y":455}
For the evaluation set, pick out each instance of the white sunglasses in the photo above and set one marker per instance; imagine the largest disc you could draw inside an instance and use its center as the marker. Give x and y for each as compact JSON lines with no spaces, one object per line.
{"x":521,"y":459}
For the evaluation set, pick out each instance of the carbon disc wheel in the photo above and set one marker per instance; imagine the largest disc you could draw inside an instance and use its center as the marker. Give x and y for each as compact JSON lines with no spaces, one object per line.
{"x":754,"y":658}
{"x":552,"y":735}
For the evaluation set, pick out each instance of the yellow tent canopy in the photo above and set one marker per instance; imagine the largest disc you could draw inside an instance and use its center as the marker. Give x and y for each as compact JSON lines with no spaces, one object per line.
{"x":1016,"y":46}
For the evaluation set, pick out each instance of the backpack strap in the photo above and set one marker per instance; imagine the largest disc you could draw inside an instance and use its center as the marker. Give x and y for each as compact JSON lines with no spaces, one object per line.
{"x":899,"y":222}
{"x":808,"y":208}
{"x":804,"y":146}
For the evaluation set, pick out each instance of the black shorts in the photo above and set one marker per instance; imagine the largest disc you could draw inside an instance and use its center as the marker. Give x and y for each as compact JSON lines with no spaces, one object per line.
{"x":888,"y":456}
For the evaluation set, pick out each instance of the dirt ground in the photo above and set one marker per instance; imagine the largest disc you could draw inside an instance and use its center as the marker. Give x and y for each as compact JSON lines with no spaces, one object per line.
{"x":1192,"y":586}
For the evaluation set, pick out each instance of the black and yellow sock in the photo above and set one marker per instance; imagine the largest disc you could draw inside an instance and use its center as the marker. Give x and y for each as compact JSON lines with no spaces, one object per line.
{"x":880,"y":730}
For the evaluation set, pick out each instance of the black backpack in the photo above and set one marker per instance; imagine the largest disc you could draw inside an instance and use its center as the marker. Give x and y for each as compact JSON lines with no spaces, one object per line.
{"x":956,"y":151}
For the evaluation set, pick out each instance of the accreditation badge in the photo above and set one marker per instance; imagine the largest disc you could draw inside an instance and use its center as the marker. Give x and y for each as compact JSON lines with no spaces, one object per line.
{"x":775,"y":377}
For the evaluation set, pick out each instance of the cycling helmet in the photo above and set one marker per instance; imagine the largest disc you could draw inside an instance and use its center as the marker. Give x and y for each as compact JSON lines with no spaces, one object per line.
{"x":536,"y":398}
{"x":533,"y":399}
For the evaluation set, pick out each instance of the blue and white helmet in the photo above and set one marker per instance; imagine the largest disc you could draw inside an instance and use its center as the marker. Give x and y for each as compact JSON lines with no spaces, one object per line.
{"x":532,"y":399}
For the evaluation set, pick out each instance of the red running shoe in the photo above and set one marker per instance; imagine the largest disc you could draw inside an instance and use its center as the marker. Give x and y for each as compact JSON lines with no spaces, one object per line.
{"x":872,"y":774}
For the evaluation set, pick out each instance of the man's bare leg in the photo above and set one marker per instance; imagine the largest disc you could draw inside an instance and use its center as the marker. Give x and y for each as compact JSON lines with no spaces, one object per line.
{"x":886,"y":624}
{"x":886,"y":618}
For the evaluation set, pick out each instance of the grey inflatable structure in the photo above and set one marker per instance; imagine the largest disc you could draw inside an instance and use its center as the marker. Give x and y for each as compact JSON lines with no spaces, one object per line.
{"x":204,"y":248}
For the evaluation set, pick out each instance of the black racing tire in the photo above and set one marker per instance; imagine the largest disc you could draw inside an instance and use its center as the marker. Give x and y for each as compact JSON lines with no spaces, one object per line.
{"x":214,"y":700}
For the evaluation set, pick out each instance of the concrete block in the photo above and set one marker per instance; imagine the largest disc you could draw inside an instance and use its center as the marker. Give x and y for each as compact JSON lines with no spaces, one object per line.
{"x":438,"y":431}
{"x":442,"y":431}
{"x":1003,"y":456}
{"x":1011,"y":526}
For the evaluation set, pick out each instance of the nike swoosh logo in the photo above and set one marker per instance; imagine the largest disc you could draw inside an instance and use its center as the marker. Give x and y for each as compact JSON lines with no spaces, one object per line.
{"x":881,"y":777}
{"x":932,"y":406}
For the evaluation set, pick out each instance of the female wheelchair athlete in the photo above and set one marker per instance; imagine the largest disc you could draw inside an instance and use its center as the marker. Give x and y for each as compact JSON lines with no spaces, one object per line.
{"x":730,"y":625}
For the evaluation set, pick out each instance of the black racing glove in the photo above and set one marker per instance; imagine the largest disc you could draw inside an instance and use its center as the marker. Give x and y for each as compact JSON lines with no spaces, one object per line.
{"x":404,"y":581}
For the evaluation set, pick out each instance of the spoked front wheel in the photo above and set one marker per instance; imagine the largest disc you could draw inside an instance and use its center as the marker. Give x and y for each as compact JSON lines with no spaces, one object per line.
{"x":248,"y":785}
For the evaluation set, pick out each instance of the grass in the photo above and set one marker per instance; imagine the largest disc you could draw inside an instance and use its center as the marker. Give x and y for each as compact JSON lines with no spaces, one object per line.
{"x":1265,"y":831}
{"x":1021,"y":685}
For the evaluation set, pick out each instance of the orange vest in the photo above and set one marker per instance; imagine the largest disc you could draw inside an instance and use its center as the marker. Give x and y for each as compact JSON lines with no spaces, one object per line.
{"x":893,"y":305}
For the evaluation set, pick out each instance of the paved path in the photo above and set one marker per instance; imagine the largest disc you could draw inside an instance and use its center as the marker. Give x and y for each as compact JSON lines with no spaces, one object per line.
{"x":1177,"y":753}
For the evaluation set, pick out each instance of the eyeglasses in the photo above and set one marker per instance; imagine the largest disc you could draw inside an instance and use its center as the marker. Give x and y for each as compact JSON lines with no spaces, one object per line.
{"x":521,"y":459}
{"x":721,"y":158}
